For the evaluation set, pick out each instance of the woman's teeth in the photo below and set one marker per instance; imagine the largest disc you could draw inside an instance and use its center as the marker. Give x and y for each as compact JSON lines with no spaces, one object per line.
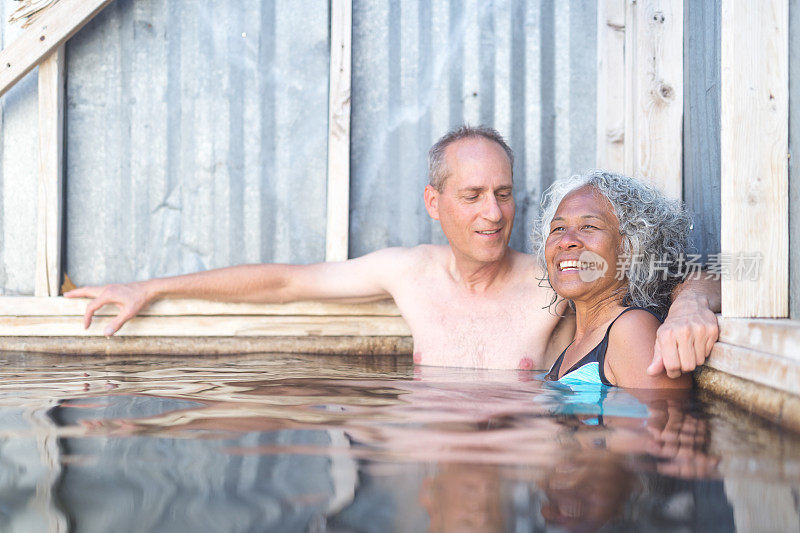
{"x":568,"y":265}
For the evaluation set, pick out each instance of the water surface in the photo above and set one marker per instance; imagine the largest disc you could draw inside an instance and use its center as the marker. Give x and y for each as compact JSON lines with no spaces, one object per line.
{"x":310,"y":443}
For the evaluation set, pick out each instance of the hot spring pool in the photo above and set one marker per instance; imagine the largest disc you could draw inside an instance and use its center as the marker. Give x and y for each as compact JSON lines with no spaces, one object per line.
{"x":296,"y":443}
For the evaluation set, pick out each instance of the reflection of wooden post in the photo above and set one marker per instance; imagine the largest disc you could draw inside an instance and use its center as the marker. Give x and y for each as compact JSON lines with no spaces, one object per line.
{"x":754,"y":146}
{"x":338,"y":225}
{"x":611,"y":85}
{"x":654,"y":92}
{"x":51,"y":160}
{"x":46,"y":432}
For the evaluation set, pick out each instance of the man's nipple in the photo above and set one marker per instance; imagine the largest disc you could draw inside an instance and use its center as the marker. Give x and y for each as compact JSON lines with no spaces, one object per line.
{"x":526,"y":363}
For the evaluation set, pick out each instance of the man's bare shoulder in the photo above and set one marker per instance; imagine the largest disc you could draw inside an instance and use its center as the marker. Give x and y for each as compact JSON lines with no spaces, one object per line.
{"x":526,"y":266}
{"x":423,"y":256}
{"x":405,"y":260}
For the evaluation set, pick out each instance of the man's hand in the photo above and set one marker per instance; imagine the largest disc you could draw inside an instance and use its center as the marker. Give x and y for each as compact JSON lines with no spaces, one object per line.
{"x":686,"y":337}
{"x":129,"y":299}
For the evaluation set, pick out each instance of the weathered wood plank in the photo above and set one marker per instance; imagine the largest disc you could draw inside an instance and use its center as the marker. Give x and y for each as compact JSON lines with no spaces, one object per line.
{"x":754,"y":145}
{"x":51,"y":165}
{"x":21,"y":306}
{"x":338,"y":226}
{"x":194,"y":346}
{"x":56,"y":25}
{"x":760,"y":367}
{"x":611,"y":85}
{"x":774,"y":336}
{"x":654,"y":92}
{"x":701,"y":122}
{"x":774,"y":405}
{"x":210,"y":326}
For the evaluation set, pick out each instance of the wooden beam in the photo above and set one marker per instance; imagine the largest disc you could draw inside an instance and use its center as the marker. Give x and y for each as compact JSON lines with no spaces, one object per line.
{"x":760,"y":367}
{"x":654,"y":92}
{"x":51,"y":163}
{"x":221,"y":346}
{"x":209,"y":326}
{"x":56,"y":25}
{"x":338,"y":226}
{"x":779,"y":337}
{"x":775,"y":405}
{"x":22,"y":306}
{"x":611,"y":85}
{"x":754,"y":153}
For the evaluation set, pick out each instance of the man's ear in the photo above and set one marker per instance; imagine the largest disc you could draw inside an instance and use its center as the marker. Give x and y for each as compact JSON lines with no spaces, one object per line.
{"x":432,"y":202}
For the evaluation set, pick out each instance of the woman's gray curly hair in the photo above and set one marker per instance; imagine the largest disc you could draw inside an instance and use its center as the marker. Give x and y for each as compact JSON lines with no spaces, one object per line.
{"x":654,"y":233}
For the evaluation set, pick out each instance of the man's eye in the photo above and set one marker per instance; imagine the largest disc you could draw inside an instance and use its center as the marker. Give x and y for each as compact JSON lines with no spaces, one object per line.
{"x":471,"y":198}
{"x":557,"y":228}
{"x":504,"y":195}
{"x":589,"y":226}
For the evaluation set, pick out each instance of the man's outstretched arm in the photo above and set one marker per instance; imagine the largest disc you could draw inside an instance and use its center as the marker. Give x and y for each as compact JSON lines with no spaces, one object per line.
{"x":690,"y":330}
{"x":364,"y":278}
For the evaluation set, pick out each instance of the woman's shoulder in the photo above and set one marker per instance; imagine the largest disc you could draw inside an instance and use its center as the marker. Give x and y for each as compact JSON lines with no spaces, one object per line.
{"x":634,"y":332}
{"x":635,"y":321}
{"x":631,"y":344}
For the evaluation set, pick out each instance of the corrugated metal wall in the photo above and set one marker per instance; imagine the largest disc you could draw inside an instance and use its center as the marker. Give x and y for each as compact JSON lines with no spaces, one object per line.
{"x":197,"y":129}
{"x":528,"y":68}
{"x":19,"y":168}
{"x":197,"y":137}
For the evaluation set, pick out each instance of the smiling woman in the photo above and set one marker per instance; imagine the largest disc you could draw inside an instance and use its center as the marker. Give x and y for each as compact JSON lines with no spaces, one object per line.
{"x":615,"y":248}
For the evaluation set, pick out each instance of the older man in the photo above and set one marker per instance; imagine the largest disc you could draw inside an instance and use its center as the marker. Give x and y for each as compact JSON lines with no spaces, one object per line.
{"x":474,"y":303}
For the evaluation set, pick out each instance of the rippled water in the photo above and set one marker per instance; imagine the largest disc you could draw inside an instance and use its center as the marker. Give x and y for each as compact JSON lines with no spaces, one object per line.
{"x":289,"y":443}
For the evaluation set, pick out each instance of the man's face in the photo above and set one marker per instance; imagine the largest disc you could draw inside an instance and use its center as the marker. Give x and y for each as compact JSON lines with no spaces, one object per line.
{"x":476,"y":204}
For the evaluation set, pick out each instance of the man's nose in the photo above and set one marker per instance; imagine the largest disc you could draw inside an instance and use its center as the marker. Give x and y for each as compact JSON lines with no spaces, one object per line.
{"x":491,"y":209}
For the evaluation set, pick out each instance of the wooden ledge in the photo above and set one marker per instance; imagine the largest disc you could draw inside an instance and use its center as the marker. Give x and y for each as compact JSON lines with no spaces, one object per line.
{"x":756,"y":365}
{"x":771,"y":404}
{"x":777,"y":336}
{"x":770,"y":370}
{"x":195,"y":346}
{"x":28,"y":317}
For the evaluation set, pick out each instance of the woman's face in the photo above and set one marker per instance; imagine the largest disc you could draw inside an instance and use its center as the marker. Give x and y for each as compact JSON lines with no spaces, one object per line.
{"x":582,"y":247}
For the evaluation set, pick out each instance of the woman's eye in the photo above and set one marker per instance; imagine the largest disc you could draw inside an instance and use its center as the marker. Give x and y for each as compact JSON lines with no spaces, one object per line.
{"x":557,"y":228}
{"x":589,"y":226}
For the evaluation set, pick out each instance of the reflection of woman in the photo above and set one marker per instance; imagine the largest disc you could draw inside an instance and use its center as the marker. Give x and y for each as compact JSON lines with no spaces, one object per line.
{"x":590,"y":226}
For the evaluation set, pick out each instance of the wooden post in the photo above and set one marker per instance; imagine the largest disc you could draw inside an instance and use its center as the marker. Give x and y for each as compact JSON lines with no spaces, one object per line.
{"x":754,"y":128}
{"x":60,"y":22}
{"x":338,"y":225}
{"x":611,"y":85}
{"x":51,"y":162}
{"x":654,"y":92}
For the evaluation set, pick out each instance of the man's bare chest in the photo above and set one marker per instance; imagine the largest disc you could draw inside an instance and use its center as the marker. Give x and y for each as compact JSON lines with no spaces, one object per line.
{"x":503,"y":330}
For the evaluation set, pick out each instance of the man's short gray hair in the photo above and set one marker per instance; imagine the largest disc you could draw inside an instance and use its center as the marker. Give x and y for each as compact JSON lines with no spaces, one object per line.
{"x":437,"y":168}
{"x":654,"y":232}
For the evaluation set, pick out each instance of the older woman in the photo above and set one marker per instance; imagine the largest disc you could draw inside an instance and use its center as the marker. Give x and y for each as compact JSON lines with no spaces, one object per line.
{"x":611,"y":246}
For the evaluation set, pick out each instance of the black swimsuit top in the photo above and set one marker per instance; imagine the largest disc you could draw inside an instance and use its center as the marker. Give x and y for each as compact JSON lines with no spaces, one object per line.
{"x":596,"y":355}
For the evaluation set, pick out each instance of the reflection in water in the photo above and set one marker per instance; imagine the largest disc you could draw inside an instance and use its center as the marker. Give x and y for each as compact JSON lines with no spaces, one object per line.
{"x":286,"y":443}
